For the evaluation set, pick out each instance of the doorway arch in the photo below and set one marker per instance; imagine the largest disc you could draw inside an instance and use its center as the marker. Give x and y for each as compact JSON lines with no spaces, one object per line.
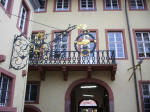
{"x":87,"y":80}
{"x":31,"y":108}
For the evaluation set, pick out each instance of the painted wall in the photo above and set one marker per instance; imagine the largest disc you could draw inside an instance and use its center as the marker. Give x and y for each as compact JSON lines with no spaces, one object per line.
{"x":53,"y":89}
{"x":8,"y":30}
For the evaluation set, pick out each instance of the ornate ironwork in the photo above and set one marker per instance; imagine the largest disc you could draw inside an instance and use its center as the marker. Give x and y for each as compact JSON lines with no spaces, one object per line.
{"x":74,"y":57}
{"x":82,"y":43}
{"x":38,"y":49}
{"x":20,"y":51}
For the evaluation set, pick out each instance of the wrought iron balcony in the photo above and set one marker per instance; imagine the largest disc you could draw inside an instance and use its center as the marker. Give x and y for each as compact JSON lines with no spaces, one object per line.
{"x":73,"y":61}
{"x":71,"y":57}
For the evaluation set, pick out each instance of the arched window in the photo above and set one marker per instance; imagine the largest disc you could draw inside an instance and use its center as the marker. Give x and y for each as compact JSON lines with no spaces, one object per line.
{"x":88,"y":103}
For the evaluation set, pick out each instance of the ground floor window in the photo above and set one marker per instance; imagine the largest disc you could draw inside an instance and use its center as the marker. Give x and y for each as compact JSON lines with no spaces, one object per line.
{"x":4,"y":89}
{"x":32,"y":92}
{"x":145,"y":95}
{"x":7,"y":85}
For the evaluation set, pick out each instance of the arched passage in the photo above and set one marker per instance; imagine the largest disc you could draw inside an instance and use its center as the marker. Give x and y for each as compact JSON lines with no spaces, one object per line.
{"x":87,"y":80}
{"x":31,"y":108}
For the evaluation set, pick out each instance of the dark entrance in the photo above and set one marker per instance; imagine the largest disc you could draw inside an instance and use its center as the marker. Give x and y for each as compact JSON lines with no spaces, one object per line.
{"x":89,"y":97}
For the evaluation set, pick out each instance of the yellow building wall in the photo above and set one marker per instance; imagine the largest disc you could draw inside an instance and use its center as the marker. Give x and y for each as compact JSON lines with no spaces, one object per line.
{"x":53,"y":89}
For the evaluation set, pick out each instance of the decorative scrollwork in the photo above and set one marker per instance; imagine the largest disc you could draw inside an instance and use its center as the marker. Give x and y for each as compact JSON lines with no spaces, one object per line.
{"x":39,"y":50}
{"x":19,"y":58}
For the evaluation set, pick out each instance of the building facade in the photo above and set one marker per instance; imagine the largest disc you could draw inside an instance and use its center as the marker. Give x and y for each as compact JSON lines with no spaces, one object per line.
{"x":101,"y":68}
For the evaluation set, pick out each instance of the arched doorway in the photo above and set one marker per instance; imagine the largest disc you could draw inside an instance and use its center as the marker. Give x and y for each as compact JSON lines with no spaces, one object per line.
{"x":31,"y":108}
{"x":101,"y":86}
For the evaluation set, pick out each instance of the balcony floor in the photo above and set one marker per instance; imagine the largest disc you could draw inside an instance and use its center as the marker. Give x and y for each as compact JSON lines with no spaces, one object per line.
{"x":74,"y":67}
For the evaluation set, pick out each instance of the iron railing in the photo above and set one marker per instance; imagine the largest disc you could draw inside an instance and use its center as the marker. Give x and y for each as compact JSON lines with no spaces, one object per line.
{"x":72,"y":57}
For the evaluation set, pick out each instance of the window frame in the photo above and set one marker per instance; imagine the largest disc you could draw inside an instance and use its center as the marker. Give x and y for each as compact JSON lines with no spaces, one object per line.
{"x":46,"y":3}
{"x":38,"y":92}
{"x":144,"y":3}
{"x":123,"y":39}
{"x":87,"y":9}
{"x":135,"y":43}
{"x":69,"y":6}
{"x":24,"y":4}
{"x":9,"y":107}
{"x":119,"y":5}
{"x":8,"y":9}
{"x":141,"y":82}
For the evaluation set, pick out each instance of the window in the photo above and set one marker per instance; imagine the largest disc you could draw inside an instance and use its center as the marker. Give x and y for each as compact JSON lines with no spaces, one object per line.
{"x":143,"y":44}
{"x":4,"y":3}
{"x":145,"y":95}
{"x":24,"y":16}
{"x":116,"y":43}
{"x":4,"y":89}
{"x":7,"y":85}
{"x":42,"y":7}
{"x":61,"y":45}
{"x":39,"y":5}
{"x":32,"y":92}
{"x":137,"y":4}
{"x":87,"y":5}
{"x":62,"y":5}
{"x":112,"y":4}
{"x":7,"y":6}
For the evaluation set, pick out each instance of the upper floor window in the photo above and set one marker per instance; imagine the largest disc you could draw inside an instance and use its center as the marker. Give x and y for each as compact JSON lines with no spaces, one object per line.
{"x":143,"y":44}
{"x":62,"y":5}
{"x":137,"y":4}
{"x":4,"y":89}
{"x":32,"y":92}
{"x":4,"y":3}
{"x":42,"y":6}
{"x":7,"y":6}
{"x":116,"y":43}
{"x":24,"y":16}
{"x":112,"y":4}
{"x":146,"y":96}
{"x":39,"y":5}
{"x":87,"y":5}
{"x":61,"y":45}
